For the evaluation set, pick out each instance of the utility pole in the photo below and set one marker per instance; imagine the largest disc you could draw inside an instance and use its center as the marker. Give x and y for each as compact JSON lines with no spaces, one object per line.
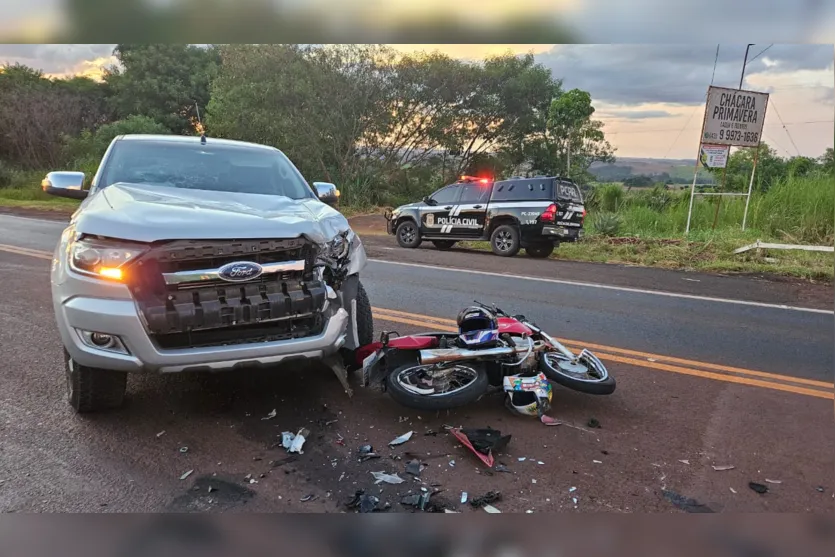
{"x":744,"y":63}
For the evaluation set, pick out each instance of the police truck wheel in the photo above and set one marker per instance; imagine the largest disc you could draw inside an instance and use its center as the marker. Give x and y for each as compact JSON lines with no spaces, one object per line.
{"x":540,"y":251}
{"x":408,"y":235}
{"x":505,"y":240}
{"x":443,"y":244}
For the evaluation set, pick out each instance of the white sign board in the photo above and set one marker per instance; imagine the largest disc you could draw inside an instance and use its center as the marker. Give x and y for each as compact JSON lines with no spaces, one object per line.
{"x":714,"y":156}
{"x":734,"y":117}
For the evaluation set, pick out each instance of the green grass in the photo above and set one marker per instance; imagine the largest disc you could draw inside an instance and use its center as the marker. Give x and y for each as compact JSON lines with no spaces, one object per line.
{"x":25,"y":192}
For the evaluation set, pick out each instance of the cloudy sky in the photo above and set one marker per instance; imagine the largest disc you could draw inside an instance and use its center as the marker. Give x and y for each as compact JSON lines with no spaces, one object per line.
{"x":650,"y":97}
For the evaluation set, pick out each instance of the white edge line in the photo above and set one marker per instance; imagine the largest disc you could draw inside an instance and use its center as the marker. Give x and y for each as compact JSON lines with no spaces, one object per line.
{"x":610,"y":287}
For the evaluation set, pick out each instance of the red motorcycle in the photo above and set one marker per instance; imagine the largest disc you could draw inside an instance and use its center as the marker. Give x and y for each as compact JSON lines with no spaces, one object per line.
{"x":434,"y":371}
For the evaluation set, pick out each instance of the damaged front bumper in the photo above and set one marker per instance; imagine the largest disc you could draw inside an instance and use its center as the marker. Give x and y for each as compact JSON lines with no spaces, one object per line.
{"x":172,"y":325}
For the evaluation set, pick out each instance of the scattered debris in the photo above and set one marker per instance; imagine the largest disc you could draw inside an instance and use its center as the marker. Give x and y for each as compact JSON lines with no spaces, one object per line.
{"x":597,"y":461}
{"x":381,"y":477}
{"x":819,"y":489}
{"x":365,"y":503}
{"x":452,"y":463}
{"x":307,"y":498}
{"x":486,"y":499}
{"x":491,"y":509}
{"x":463,"y":497}
{"x":533,"y":481}
{"x":418,"y":500}
{"x":732,"y":490}
{"x":414,"y":468}
{"x":723,"y":468}
{"x":651,"y":360}
{"x":773,"y":481}
{"x":548,"y":420}
{"x":400,"y":440}
{"x":593,"y":423}
{"x":692,"y":280}
{"x":294,"y":442}
{"x":523,"y":458}
{"x":572,"y":490}
{"x":183,"y":450}
{"x":430,"y":433}
{"x":502,"y":468}
{"x":482,"y":442}
{"x":447,"y":511}
{"x":270,"y":416}
{"x":366,"y":452}
{"x":186,"y":475}
{"x":759,"y":488}
{"x":211,"y":489}
{"x":540,"y":462}
{"x":685,"y":503}
{"x":160,"y":434}
{"x":684,"y":461}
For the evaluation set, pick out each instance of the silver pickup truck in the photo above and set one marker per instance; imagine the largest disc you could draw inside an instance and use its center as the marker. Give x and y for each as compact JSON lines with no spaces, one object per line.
{"x":201,"y":254}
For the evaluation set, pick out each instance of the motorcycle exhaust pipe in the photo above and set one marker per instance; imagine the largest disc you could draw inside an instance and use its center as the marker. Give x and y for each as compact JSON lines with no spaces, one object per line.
{"x":443,"y":355}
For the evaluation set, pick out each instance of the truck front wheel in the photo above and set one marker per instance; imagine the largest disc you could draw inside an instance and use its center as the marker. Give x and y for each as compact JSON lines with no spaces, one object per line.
{"x":408,"y":235}
{"x":91,"y":389}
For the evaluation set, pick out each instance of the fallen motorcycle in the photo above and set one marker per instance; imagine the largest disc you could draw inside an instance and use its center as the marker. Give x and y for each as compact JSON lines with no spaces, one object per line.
{"x":437,"y":371}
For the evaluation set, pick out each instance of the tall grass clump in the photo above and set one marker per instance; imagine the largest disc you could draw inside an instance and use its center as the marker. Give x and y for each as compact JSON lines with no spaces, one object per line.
{"x":800,"y":209}
{"x":609,"y":197}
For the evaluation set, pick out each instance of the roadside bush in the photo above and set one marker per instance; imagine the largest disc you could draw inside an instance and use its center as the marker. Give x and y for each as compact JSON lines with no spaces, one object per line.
{"x":89,"y":147}
{"x":607,"y":224}
{"x":5,"y":175}
{"x":609,"y":197}
{"x":658,"y":198}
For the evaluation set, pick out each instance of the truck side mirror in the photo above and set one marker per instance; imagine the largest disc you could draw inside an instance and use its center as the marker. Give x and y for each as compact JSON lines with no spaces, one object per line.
{"x":65,"y":184}
{"x":327,"y":192}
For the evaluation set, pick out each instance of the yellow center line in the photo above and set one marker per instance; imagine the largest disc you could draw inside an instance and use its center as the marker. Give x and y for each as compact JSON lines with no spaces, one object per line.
{"x":395,"y":316}
{"x":26,"y":251}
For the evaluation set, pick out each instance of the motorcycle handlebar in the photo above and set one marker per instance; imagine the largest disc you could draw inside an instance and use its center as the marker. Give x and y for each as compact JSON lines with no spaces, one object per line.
{"x":492,"y":308}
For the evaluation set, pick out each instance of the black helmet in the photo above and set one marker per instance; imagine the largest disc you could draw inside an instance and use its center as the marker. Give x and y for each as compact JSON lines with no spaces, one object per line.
{"x":477,"y":327}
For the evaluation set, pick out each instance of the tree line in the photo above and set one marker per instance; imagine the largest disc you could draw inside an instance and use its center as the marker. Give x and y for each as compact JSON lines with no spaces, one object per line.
{"x":381,"y":124}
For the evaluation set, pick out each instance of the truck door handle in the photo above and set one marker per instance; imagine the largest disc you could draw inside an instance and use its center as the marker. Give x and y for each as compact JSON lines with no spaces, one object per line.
{"x":477,"y":207}
{"x":448,"y":207}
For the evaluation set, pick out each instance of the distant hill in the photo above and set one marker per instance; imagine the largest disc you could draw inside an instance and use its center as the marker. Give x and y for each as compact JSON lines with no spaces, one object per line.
{"x":669,"y":170}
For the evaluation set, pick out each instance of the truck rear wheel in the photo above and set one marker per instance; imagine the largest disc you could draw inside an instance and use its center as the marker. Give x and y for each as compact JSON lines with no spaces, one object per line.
{"x":540,"y":251}
{"x":408,"y":235}
{"x":91,"y":389}
{"x":505,"y":240}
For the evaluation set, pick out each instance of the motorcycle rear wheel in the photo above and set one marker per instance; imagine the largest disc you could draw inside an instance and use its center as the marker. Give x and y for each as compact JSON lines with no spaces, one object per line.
{"x":582,"y":377}
{"x":470,"y":383}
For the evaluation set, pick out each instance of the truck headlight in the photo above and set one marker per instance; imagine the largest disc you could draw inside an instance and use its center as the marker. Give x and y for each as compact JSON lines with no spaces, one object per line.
{"x":103,"y":259}
{"x":339,"y":246}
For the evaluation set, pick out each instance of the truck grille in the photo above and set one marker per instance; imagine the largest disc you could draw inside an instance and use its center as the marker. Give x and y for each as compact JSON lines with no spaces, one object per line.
{"x":205,"y":310}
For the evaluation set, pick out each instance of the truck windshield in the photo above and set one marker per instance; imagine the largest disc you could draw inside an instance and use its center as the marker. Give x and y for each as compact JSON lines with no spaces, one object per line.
{"x":215,"y":167}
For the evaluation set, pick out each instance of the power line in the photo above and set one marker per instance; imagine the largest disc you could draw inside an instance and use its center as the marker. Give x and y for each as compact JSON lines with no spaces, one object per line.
{"x":777,"y":112}
{"x":761,"y":52}
{"x":715,"y":60}
{"x":770,"y":140}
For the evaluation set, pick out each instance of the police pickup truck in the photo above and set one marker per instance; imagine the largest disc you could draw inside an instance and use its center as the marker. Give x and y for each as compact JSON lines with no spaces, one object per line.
{"x":531,"y":213}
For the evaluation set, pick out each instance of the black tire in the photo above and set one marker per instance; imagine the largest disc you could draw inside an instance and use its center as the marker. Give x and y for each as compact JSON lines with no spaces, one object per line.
{"x":91,"y":389}
{"x":540,"y":251}
{"x":505,"y":241}
{"x":365,"y":328}
{"x":471,"y":393}
{"x":443,"y":244}
{"x":365,"y":319}
{"x":604,"y":386}
{"x":408,"y":234}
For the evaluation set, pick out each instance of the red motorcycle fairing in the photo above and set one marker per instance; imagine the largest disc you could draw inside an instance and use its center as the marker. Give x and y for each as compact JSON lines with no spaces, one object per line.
{"x":414,"y":342}
{"x":513,"y":327}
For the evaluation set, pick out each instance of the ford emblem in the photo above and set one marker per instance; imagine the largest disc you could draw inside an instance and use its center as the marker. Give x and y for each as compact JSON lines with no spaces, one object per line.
{"x":240,"y":271}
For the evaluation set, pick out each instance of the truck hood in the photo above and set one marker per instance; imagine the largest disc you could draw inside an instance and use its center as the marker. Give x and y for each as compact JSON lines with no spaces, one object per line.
{"x":144,"y":213}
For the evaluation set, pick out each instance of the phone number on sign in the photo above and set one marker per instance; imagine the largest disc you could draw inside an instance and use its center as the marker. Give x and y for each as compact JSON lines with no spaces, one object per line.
{"x":736,"y":135}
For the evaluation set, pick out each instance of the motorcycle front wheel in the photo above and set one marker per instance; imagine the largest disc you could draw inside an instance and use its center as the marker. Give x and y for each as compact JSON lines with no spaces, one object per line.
{"x":432,"y":387}
{"x":584,"y":375}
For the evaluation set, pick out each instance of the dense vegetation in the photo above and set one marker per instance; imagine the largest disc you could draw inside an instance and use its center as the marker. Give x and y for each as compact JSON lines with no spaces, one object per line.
{"x":389,"y":128}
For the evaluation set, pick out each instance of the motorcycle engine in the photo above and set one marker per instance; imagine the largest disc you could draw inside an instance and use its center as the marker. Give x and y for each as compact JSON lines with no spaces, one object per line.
{"x":530,"y":363}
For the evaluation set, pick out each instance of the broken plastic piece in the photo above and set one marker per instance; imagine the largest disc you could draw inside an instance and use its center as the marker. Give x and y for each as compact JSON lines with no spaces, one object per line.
{"x":186,"y":475}
{"x":287,"y":439}
{"x":400,"y":440}
{"x":773,"y":481}
{"x":759,"y":488}
{"x":413,"y":467}
{"x":307,"y":498}
{"x":486,"y":499}
{"x":723,"y":468}
{"x":293,"y":443}
{"x":491,"y":509}
{"x":502,"y":468}
{"x":365,"y":503}
{"x":548,"y":420}
{"x":684,"y":461}
{"x":270,"y":416}
{"x":482,"y":442}
{"x":463,"y":497}
{"x":382,"y":477}
{"x":160,"y":434}
{"x":366,"y":452}
{"x":183,"y":449}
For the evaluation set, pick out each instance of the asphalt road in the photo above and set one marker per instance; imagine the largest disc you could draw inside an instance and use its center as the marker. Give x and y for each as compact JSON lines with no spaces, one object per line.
{"x":696,"y":389}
